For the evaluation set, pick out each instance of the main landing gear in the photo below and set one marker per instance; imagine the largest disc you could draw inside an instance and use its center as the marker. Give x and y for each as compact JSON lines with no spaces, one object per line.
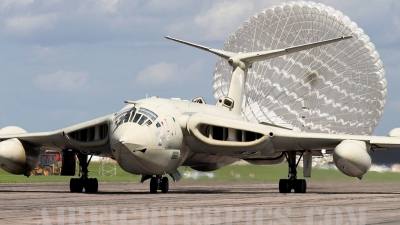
{"x":157,"y":183}
{"x":91,"y":185}
{"x":286,"y":185}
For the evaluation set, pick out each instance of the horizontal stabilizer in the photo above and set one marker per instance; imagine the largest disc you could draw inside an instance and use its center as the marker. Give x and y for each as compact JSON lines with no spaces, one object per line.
{"x":220,"y":53}
{"x":262,"y":55}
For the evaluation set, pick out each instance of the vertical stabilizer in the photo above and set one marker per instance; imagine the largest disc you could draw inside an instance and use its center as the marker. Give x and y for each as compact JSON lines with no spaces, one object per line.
{"x":238,"y":81}
{"x":241,"y":62}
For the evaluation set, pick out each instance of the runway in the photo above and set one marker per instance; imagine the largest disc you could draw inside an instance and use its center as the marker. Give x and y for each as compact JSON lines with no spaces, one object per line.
{"x":193,"y":202}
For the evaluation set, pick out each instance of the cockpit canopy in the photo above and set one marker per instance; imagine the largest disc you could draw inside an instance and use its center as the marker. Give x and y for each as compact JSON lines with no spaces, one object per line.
{"x":141,"y":116}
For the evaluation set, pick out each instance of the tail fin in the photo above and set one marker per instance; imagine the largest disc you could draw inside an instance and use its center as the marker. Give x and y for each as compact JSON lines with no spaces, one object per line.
{"x":241,"y":62}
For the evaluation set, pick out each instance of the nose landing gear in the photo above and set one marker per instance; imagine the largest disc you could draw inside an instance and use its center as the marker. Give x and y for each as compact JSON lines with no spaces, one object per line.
{"x":286,"y":185}
{"x":158,"y":183}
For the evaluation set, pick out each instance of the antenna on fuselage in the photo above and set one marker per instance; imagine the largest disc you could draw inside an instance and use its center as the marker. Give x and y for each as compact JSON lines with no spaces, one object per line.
{"x":241,"y":62}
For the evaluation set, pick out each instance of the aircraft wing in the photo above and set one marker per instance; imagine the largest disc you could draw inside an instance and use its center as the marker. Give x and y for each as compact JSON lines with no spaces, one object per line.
{"x":291,"y":140}
{"x":90,"y":137}
{"x":238,"y":138}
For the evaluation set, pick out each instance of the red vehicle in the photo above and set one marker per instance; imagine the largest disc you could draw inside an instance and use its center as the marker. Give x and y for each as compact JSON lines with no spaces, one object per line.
{"x":49,"y":163}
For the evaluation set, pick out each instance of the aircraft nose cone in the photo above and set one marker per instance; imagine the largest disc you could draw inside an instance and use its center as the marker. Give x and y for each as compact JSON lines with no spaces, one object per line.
{"x":131,"y":144}
{"x":132,"y":136}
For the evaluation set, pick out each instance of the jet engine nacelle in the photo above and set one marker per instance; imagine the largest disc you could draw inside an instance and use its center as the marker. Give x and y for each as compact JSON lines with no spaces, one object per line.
{"x":13,"y":156}
{"x":394,"y":133}
{"x":352,"y":158}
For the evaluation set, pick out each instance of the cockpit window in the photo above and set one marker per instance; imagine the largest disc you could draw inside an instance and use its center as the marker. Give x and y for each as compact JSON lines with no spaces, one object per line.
{"x":142,"y":119}
{"x":122,"y":113}
{"x":137,"y":116}
{"x":150,"y":114}
{"x":118,"y":121}
{"x":129,"y":115}
{"x":123,"y":116}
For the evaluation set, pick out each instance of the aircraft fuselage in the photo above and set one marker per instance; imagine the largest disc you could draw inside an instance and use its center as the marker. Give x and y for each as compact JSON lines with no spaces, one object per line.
{"x":147,"y":137}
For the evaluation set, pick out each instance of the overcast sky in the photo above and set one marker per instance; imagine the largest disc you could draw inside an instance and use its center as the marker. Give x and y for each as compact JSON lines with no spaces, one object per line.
{"x":64,"y":62}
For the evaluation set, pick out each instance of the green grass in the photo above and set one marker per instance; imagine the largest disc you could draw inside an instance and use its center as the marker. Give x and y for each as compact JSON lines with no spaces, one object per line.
{"x":229,"y":173}
{"x":122,"y":176}
{"x":276,"y":172}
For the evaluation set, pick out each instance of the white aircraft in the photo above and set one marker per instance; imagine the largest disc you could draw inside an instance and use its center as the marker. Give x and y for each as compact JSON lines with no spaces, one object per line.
{"x":154,"y":136}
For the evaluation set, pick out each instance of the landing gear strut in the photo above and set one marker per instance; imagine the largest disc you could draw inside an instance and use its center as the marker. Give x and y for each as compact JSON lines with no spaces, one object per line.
{"x":158,"y":183}
{"x":286,"y":185}
{"x":91,"y":185}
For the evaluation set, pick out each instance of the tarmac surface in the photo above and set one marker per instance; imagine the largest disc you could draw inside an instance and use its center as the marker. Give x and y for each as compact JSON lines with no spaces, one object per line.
{"x":194,"y":202}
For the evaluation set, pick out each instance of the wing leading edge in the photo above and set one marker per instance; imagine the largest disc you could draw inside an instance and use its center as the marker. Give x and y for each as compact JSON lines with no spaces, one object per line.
{"x":237,"y":134}
{"x":89,"y":137}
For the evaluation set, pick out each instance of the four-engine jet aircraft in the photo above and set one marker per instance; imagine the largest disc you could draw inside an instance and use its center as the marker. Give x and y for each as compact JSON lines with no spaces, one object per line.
{"x":154,"y":136}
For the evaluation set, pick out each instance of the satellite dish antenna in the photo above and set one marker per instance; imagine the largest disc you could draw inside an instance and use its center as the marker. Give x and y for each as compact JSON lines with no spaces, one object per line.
{"x":335,"y":88}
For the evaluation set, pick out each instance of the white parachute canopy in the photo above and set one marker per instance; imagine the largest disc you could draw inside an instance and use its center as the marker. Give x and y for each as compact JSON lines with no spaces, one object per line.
{"x":335,"y":88}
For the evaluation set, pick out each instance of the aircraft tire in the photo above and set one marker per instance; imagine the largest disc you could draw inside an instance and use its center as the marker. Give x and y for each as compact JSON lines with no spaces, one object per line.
{"x":300,"y":186}
{"x":153,"y":185}
{"x":76,"y":185}
{"x":91,"y":185}
{"x":95,"y":184}
{"x":164,"y":185}
{"x":284,"y":186}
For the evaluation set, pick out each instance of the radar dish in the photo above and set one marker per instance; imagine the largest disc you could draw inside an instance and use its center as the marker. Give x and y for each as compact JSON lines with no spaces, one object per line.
{"x":335,"y":88}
